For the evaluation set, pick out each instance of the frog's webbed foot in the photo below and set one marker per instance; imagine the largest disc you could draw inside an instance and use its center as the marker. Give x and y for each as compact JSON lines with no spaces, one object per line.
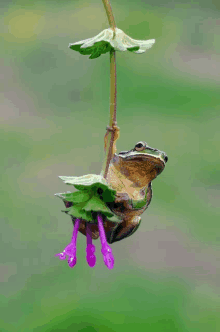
{"x":124,"y":230}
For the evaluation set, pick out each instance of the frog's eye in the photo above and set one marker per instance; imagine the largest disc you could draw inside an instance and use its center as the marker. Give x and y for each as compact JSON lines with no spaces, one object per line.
{"x":140,"y":146}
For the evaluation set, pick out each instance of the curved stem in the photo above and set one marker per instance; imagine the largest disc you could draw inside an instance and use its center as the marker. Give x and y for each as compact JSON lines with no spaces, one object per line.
{"x":113,"y":90}
{"x":112,"y":133}
{"x":109,"y":13}
{"x":111,"y":136}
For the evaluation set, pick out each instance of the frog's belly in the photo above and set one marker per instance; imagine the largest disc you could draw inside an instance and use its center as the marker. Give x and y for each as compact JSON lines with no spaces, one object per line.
{"x":125,"y":207}
{"x":123,"y":185}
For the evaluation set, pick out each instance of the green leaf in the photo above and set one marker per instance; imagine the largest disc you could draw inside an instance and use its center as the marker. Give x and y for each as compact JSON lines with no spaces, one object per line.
{"x":95,"y":204}
{"x":94,"y":192}
{"x":76,"y":197}
{"x":83,"y":51}
{"x":115,"y":218}
{"x":59,"y":195}
{"x":85,"y":180}
{"x":92,"y":183}
{"x":108,"y":196}
{"x":95,"y":54}
{"x":133,"y":49}
{"x":95,"y":50}
{"x":84,"y":206}
{"x":108,"y":48}
{"x":85,"y":211}
{"x":77,"y":212}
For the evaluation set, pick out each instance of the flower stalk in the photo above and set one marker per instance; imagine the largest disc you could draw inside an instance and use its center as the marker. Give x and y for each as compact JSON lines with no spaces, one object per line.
{"x":109,"y":13}
{"x":112,"y":131}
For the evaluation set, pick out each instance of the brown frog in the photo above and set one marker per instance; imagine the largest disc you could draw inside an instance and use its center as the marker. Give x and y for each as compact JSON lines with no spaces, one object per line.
{"x":130,"y":173}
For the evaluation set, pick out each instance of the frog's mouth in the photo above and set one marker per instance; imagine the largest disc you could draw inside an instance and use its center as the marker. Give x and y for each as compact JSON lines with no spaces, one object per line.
{"x":149,"y":152}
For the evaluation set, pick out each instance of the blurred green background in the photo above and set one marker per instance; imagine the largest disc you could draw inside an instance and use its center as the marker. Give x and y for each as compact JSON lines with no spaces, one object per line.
{"x":54,"y":112}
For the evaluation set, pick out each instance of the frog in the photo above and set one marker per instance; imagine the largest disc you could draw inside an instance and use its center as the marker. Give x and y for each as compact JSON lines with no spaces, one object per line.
{"x":130,"y":174}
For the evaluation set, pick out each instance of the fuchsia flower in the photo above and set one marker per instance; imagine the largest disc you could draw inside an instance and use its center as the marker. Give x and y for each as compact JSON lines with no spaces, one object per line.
{"x":81,"y":205}
{"x":70,"y":249}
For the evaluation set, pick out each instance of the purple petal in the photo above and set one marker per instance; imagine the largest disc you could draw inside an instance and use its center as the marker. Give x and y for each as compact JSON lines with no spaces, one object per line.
{"x":61,"y":255}
{"x":90,"y":257}
{"x":70,"y":249}
{"x":106,"y":250}
{"x":72,"y":261}
{"x":90,"y":249}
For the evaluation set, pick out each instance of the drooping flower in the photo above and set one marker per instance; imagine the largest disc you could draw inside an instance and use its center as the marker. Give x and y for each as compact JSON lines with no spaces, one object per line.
{"x":108,"y":40}
{"x":88,"y":203}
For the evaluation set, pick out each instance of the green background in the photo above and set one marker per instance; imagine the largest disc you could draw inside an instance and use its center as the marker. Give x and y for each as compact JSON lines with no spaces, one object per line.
{"x":53,"y":117}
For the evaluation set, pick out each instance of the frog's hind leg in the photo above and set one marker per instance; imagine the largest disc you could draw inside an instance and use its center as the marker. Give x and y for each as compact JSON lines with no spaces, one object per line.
{"x":123,"y":230}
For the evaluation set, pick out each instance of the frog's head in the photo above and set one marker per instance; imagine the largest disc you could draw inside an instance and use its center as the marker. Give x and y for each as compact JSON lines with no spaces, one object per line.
{"x":141,"y":164}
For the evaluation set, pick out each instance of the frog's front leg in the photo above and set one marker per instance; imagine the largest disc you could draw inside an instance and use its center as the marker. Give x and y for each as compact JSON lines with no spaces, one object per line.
{"x":124,"y":229}
{"x":115,"y":130}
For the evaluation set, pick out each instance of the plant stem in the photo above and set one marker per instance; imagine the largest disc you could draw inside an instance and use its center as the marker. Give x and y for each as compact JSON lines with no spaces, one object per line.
{"x":110,"y":139}
{"x":111,"y":133}
{"x":109,"y":13}
{"x":113,"y":89}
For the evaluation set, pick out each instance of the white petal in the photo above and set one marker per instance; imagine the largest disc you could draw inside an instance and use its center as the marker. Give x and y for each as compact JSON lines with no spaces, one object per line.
{"x":88,"y":43}
{"x":119,"y":42}
{"x":118,"y":46}
{"x":108,"y":34}
{"x":80,"y":42}
{"x":144,"y":44}
{"x":105,"y":35}
{"x":94,"y":40}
